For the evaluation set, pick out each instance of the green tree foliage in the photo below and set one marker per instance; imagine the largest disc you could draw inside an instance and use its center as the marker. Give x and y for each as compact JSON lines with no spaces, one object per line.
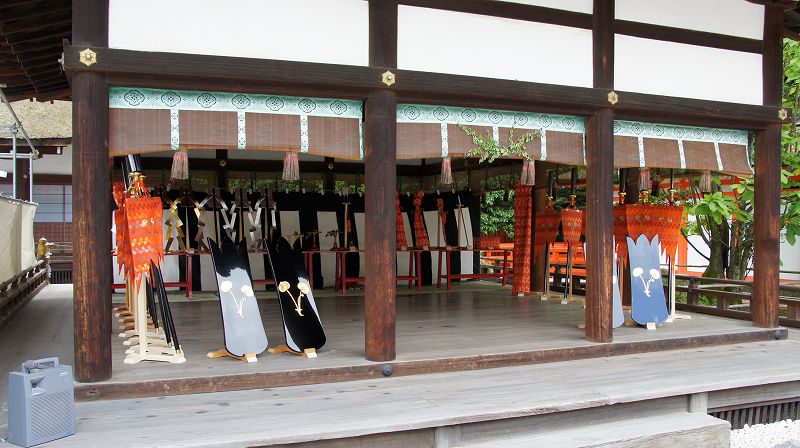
{"x":497,"y":214}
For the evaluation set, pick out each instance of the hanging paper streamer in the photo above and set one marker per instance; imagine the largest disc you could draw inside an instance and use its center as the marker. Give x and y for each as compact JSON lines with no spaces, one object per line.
{"x":705,"y":181}
{"x":644,"y":179}
{"x":291,"y":166}
{"x":180,"y":165}
{"x":528,"y":175}
{"x":447,"y":172}
{"x":523,"y":237}
{"x":420,"y":231}
{"x":400,"y":241}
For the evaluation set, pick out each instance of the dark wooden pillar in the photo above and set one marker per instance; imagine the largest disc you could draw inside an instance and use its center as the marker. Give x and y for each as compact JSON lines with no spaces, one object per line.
{"x":91,"y":191}
{"x":599,"y":224}
{"x":766,"y":216}
{"x":539,"y":203}
{"x":380,"y":138}
{"x":600,"y":183}
{"x":222,"y":169}
{"x":22,"y":179}
{"x":329,"y":182}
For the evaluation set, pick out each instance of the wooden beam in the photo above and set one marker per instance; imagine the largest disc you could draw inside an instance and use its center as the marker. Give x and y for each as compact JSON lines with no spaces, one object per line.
{"x":380,"y":159}
{"x":383,"y":33}
{"x":766,"y":217}
{"x":603,"y":44}
{"x":509,"y":10}
{"x":687,"y":36}
{"x":91,"y":216}
{"x":201,"y":72}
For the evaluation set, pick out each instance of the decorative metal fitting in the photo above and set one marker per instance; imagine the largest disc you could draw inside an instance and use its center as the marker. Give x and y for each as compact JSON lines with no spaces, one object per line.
{"x":388,"y":78}
{"x":613,"y":98}
{"x":783,"y":114}
{"x":88,"y":57}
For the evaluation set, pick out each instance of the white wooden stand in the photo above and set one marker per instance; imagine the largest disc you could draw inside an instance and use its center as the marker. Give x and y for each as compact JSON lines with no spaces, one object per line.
{"x":144,"y":351}
{"x":673,"y":315}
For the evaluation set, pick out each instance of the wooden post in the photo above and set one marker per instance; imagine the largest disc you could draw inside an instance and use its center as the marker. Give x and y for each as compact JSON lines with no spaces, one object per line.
{"x":539,"y":203}
{"x":379,"y":254}
{"x":600,"y":183}
{"x":599,"y":225}
{"x":766,"y":262}
{"x":222,"y":169}
{"x":91,"y":191}
{"x":22,"y":180}
{"x":380,"y":138}
{"x":329,"y":182}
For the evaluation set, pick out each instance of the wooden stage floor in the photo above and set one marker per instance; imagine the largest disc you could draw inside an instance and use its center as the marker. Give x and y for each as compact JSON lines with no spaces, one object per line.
{"x":477,"y":325}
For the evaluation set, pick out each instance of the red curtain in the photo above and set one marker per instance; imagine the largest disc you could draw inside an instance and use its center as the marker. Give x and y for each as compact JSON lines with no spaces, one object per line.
{"x":523,"y":237}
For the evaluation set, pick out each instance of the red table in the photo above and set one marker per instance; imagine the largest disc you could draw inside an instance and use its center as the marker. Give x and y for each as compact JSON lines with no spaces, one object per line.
{"x":503,"y":274}
{"x":343,"y":280}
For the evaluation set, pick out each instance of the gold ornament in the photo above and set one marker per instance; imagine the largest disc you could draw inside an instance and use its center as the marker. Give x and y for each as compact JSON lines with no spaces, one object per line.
{"x":388,"y":78}
{"x":88,"y":57}
{"x":613,"y":98}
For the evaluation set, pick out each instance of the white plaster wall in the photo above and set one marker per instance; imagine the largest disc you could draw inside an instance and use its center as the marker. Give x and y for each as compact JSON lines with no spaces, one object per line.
{"x":790,"y":257}
{"x":732,"y":17}
{"x":469,"y":44}
{"x":680,"y":70}
{"x":48,"y":164}
{"x":330,"y":31}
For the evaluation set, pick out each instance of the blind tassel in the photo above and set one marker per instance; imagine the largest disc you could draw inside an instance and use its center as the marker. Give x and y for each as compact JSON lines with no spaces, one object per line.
{"x":291,"y":167}
{"x":180,"y":165}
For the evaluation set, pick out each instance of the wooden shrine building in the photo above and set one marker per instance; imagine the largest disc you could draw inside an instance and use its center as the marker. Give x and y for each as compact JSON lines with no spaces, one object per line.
{"x":632,"y":77}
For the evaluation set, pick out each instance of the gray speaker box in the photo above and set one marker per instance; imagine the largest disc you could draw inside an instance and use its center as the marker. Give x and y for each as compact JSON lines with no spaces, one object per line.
{"x":41,"y":404}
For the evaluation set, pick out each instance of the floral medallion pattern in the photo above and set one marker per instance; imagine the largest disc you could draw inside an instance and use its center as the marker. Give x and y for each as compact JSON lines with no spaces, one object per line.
{"x":140,"y":98}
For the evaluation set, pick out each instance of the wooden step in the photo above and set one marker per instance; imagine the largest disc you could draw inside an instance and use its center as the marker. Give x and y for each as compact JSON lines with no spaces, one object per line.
{"x":656,"y":431}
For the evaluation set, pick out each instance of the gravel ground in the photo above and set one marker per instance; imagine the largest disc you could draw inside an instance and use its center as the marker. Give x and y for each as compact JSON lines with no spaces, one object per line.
{"x":783,"y":434}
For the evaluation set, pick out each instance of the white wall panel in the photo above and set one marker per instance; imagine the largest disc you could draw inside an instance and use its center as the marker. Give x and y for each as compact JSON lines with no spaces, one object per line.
{"x":689,"y":71}
{"x":465,"y":238}
{"x":358,"y":221}
{"x":732,"y":17}
{"x":330,"y":31}
{"x":469,"y":44}
{"x":403,"y":257}
{"x":431,"y":224}
{"x":327,"y":221}
{"x":584,"y":6}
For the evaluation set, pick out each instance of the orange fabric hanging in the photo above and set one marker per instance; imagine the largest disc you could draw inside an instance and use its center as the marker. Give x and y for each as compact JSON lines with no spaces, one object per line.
{"x":648,"y":220}
{"x":572,"y":224}
{"x":143,"y":217}
{"x":523,"y":237}
{"x":144,"y":230}
{"x":547,"y":223}
{"x":420,"y":232}
{"x":123,"y":246}
{"x":401,"y":242}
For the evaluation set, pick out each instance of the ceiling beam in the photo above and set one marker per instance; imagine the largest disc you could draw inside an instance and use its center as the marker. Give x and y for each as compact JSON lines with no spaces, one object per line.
{"x":202,"y":72}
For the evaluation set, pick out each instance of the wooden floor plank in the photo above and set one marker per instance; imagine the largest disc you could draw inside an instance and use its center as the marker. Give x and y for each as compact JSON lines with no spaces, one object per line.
{"x":303,"y":413}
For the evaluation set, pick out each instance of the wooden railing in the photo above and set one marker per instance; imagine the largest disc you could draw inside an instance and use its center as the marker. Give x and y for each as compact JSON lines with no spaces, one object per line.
{"x":732,"y":298}
{"x":17,"y":291}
